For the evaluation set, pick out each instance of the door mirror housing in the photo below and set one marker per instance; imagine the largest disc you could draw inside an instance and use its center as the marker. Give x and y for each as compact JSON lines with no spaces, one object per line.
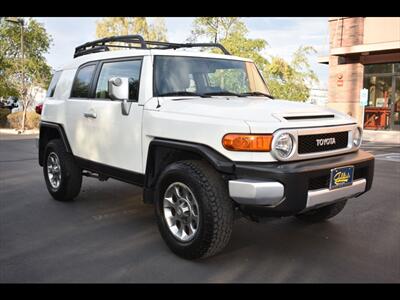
{"x":118,"y":88}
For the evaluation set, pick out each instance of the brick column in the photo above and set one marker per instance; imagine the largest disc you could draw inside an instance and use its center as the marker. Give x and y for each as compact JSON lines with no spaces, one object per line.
{"x":345,"y":73}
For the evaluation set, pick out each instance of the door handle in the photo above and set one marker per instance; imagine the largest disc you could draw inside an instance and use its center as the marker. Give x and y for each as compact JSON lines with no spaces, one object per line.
{"x":90,"y":115}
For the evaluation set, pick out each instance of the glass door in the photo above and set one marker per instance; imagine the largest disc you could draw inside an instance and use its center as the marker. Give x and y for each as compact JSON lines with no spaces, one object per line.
{"x":395,"y":111}
{"x":383,"y":108}
{"x":377,"y":112}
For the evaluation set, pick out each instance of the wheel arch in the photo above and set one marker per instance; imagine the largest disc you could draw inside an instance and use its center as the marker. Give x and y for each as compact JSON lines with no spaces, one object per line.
{"x":163,"y":152}
{"x":47,"y":132}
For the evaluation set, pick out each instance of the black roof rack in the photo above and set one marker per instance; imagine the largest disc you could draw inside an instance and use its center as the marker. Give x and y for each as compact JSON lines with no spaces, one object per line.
{"x":103,"y":45}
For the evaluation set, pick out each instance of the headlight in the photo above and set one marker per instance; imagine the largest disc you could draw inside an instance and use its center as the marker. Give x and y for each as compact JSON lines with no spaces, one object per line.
{"x":283,"y":145}
{"x":357,"y":137}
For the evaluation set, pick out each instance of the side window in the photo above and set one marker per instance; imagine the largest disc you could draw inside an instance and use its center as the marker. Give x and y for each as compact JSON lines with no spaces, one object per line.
{"x":81,"y":85}
{"x":128,"y":68}
{"x":53,"y":84}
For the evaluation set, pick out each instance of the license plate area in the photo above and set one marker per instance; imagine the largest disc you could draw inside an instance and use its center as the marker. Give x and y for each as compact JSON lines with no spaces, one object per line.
{"x":341,"y":177}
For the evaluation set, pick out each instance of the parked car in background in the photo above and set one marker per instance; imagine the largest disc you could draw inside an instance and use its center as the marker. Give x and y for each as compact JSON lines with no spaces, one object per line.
{"x":11,"y":103}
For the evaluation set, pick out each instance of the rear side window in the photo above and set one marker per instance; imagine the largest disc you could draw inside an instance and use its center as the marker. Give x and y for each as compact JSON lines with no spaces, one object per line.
{"x":129,"y":68}
{"x":53,"y":84}
{"x":81,"y":85}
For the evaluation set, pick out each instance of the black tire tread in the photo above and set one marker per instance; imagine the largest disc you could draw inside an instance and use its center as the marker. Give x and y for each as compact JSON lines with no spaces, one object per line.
{"x":71,"y":174}
{"x":220,"y":213}
{"x":222,"y":209}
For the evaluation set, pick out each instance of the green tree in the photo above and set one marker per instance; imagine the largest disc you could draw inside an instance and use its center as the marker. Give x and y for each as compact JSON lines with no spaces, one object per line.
{"x":231,"y":32}
{"x":21,"y":76}
{"x":132,"y":25}
{"x":287,"y":80}
{"x":215,"y":28}
{"x":292,"y":80}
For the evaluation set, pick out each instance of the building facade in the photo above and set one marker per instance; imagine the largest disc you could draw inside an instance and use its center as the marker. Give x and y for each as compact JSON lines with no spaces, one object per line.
{"x":364,"y":53}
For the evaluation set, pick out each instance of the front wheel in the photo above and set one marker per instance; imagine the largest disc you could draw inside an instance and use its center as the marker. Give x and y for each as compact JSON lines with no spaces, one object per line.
{"x":193,"y":209}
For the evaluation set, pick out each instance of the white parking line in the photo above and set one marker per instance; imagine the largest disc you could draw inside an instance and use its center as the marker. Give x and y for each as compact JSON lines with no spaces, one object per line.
{"x":378,"y":147}
{"x":395,"y":157}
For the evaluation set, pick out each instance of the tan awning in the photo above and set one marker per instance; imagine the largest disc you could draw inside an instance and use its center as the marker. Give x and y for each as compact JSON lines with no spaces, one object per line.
{"x":376,"y":47}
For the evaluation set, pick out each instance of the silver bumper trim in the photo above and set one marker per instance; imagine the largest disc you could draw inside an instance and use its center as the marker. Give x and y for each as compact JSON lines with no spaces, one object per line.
{"x":253,"y":192}
{"x":324,"y":196}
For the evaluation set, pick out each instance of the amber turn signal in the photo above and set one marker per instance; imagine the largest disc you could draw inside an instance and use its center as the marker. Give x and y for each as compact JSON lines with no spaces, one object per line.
{"x":247,"y":142}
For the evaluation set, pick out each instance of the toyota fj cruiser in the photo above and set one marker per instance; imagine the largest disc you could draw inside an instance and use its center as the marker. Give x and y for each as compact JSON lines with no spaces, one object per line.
{"x":201,"y":134}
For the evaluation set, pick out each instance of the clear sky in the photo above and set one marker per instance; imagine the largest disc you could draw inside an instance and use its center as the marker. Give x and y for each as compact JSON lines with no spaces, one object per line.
{"x":283,"y":34}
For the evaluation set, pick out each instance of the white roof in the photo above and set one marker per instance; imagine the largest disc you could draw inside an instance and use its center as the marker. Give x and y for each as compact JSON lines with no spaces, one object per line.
{"x":76,"y":62}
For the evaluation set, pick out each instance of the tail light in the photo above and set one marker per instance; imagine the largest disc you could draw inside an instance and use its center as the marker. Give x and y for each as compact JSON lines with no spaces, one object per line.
{"x":39,"y":108}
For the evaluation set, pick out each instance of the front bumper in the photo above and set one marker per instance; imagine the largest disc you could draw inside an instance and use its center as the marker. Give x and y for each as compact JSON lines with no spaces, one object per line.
{"x":279,"y":189}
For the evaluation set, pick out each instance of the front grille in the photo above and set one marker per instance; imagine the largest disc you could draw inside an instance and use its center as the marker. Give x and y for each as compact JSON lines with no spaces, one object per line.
{"x":322,"y":182}
{"x":322,"y":142}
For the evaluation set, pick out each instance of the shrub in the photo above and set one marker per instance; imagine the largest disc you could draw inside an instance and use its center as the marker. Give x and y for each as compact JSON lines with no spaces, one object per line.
{"x":32,"y":120}
{"x":4,"y":112}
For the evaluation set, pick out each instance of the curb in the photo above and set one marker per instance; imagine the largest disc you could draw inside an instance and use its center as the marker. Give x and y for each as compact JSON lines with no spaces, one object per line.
{"x":8,"y":131}
{"x":388,"y":137}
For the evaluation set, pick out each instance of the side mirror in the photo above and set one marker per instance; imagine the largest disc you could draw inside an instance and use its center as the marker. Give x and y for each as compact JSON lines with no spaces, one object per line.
{"x":118,"y":89}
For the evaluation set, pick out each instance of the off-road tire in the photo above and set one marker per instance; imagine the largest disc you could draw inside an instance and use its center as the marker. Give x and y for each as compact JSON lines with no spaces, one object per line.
{"x":322,"y":213}
{"x":216,"y":213}
{"x":71,"y":174}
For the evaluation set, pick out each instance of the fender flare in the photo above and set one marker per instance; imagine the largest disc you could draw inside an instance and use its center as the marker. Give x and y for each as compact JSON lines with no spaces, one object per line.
{"x":163,"y":152}
{"x":44,"y":129}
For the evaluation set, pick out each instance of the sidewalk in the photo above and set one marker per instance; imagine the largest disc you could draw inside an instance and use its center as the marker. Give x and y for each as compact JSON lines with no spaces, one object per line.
{"x":12,"y":134}
{"x":382,"y":136}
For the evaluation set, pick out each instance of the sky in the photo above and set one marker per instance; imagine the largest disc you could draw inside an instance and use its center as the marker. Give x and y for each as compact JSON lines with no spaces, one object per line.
{"x":283,"y":35}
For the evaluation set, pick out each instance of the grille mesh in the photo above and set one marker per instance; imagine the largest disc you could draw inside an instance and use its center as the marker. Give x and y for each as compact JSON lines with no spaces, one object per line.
{"x":308,"y":143}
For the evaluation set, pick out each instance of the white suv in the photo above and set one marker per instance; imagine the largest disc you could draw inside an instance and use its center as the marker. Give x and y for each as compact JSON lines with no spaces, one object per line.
{"x":203,"y":137}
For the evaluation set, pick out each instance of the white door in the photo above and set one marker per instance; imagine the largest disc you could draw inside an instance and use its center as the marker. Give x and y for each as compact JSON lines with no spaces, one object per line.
{"x":114,"y":139}
{"x":77,"y":122}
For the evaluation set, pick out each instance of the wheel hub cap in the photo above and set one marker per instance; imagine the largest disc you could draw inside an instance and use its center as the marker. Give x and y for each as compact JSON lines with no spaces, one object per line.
{"x":181,"y":211}
{"x":54,"y":170}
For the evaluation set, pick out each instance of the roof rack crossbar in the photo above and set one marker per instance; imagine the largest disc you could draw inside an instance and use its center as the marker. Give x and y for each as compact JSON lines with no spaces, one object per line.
{"x":102,"y":45}
{"x":166,"y":45}
{"x":82,"y":49}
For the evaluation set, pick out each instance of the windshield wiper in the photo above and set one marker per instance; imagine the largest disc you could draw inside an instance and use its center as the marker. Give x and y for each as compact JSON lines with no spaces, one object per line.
{"x":256,"y":93}
{"x":223,"y":93}
{"x":180,"y":93}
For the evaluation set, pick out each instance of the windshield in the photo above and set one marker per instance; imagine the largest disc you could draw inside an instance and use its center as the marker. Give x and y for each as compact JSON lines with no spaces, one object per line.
{"x":198,"y":76}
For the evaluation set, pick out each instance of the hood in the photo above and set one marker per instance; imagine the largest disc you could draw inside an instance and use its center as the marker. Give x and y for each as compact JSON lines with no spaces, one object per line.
{"x":251,"y":109}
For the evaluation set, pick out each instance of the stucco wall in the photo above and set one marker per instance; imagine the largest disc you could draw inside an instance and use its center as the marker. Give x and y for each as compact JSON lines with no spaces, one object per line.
{"x":381,"y":29}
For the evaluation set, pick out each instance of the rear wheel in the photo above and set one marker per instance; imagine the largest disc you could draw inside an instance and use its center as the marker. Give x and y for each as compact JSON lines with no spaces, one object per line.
{"x":193,"y":209}
{"x":63,"y":177}
{"x":322,"y":213}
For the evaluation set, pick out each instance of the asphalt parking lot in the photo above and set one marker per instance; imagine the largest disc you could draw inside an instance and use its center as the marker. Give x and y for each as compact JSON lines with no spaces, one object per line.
{"x":109,"y":235}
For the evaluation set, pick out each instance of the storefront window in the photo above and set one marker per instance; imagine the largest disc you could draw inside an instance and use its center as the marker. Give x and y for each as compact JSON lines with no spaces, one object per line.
{"x":378,"y":68}
{"x":383,"y":84}
{"x":397,"y":67}
{"x":379,"y":90}
{"x":396,"y":108}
